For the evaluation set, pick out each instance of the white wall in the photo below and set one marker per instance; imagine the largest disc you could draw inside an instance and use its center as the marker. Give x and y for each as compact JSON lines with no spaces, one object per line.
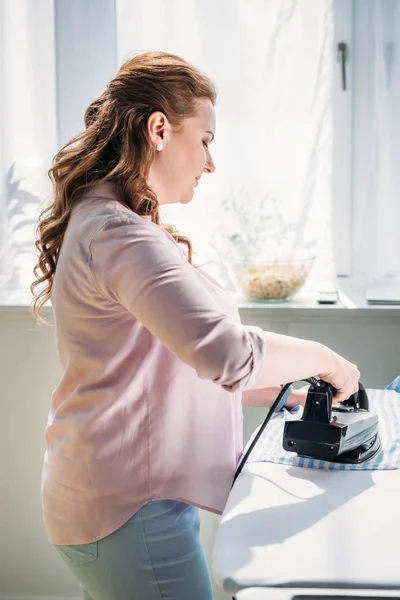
{"x":29,"y":372}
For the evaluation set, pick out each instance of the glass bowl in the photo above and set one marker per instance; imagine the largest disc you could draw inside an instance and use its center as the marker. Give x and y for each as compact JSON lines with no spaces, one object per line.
{"x":270,"y":281}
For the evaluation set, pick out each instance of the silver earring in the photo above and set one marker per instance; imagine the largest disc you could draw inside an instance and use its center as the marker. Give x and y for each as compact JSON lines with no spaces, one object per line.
{"x":159,"y":146}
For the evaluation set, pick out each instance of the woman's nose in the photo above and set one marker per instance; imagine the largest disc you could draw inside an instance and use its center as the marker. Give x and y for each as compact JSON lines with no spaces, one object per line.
{"x":209,"y":166}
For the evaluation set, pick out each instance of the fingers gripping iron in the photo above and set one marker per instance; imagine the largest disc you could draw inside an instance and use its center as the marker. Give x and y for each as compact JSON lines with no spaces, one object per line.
{"x":345,"y":433}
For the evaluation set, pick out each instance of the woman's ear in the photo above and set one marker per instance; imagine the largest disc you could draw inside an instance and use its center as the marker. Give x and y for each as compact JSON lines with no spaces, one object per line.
{"x":157,"y":127}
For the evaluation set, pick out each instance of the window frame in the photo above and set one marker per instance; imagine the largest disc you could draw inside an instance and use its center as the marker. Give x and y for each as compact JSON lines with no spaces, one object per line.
{"x":342,"y":159}
{"x":86,"y":59}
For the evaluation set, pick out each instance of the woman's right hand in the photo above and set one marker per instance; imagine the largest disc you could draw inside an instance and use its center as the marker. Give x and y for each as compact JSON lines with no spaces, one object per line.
{"x":343,"y":375}
{"x":292,"y":359}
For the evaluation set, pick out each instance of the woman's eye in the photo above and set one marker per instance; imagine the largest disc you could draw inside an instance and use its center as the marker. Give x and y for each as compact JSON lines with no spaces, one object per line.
{"x":205,"y":144}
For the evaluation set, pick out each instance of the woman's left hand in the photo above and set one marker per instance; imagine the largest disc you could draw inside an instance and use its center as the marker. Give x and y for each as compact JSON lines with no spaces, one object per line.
{"x":297,"y":397}
{"x":267,"y":396}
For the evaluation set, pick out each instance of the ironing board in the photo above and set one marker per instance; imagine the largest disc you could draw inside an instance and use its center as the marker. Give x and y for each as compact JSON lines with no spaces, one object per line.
{"x":290,"y":532}
{"x":259,"y":594}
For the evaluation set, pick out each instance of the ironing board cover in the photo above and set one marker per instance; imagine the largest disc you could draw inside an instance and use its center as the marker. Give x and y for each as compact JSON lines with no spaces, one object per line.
{"x":385,"y":403}
{"x":297,"y":530}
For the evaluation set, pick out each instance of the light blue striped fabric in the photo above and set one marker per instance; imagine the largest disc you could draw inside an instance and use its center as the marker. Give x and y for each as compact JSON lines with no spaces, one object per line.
{"x":385,"y":403}
{"x":395,"y":385}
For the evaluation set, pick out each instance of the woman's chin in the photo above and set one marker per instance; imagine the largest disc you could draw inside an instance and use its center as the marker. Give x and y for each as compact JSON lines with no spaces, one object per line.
{"x":187,"y":199}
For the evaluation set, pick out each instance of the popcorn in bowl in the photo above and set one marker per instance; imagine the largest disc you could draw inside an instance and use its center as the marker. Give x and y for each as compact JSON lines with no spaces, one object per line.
{"x":271,"y":281}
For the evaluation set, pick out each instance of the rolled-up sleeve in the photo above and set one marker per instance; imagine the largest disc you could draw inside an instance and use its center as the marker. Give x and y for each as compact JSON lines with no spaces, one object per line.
{"x":138,"y":265}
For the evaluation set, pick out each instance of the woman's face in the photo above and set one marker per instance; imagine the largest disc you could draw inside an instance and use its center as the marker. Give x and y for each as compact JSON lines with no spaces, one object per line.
{"x":185,"y":156}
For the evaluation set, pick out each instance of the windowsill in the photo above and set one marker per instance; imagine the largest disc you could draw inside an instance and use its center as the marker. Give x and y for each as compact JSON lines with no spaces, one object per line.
{"x":351,"y":302}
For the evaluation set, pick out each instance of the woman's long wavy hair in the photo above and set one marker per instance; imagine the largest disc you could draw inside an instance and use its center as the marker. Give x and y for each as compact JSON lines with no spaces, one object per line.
{"x":115,"y":147}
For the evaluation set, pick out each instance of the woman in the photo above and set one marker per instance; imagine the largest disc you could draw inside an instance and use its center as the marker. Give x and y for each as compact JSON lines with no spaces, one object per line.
{"x":145,"y":425}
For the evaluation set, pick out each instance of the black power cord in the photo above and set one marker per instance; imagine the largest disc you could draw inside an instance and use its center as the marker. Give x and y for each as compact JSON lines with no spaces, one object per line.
{"x":275,"y":405}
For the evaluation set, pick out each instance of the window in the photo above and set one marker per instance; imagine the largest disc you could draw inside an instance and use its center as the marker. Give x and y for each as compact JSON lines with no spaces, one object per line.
{"x":292,"y":145}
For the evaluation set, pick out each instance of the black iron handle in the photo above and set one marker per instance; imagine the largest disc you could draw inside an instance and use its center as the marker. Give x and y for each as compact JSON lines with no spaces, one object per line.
{"x":359,"y":399}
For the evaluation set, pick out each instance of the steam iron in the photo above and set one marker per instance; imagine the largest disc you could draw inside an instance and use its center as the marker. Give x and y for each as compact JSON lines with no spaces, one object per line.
{"x":345,"y":433}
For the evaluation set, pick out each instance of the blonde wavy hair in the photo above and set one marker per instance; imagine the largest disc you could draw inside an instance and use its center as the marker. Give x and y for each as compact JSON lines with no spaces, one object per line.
{"x":115,"y":147}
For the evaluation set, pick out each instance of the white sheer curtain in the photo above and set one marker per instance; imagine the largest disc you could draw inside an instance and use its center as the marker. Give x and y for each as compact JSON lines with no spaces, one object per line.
{"x":272,"y":64}
{"x":376,"y":244}
{"x":27,"y":135}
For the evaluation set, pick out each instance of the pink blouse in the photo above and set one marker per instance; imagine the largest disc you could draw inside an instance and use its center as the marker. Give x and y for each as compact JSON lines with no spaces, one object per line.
{"x":154,"y":360}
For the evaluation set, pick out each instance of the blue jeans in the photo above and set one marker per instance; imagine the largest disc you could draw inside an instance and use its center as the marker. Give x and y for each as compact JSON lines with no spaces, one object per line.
{"x":156,"y":555}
